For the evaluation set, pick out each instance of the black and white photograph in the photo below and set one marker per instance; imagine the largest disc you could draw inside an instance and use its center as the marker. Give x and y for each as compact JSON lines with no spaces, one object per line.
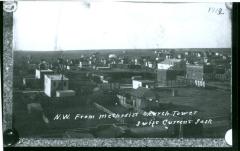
{"x":121,"y":70}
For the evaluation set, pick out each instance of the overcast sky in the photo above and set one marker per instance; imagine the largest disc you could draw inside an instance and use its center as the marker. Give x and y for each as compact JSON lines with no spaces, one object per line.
{"x":72,"y":25}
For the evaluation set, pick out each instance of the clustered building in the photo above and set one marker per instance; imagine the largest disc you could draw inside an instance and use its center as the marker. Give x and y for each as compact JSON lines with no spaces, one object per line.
{"x":134,"y":81}
{"x":163,"y":68}
{"x":53,"y":84}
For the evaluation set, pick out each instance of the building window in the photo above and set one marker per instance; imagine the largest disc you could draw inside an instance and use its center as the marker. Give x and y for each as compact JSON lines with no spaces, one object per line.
{"x":54,"y":84}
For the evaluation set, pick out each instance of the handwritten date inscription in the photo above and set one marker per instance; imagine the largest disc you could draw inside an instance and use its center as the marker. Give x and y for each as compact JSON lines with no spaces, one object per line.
{"x":218,"y":11}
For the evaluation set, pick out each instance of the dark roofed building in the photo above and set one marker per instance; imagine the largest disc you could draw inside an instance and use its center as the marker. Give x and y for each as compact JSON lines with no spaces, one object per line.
{"x":169,"y":69}
{"x":199,"y":74}
{"x":137,"y":98}
{"x":108,"y":83}
{"x":169,"y":77}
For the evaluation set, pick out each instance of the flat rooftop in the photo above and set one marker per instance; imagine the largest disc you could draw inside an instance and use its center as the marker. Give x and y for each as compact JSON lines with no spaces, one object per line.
{"x":144,"y":81}
{"x":195,"y":66}
{"x":57,"y":77}
{"x":47,"y":70}
{"x":67,"y":91}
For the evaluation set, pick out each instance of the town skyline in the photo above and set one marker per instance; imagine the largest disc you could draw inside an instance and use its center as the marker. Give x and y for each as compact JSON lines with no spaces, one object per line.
{"x":135,"y":49}
{"x":146,"y":81}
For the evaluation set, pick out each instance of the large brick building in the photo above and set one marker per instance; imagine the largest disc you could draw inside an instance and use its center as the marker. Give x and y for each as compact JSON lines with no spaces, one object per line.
{"x":169,"y":77}
{"x":168,"y":71}
{"x":199,"y":74}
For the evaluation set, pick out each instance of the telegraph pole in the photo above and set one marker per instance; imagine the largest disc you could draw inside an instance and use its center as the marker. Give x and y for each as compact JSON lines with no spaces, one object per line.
{"x":61,"y":68}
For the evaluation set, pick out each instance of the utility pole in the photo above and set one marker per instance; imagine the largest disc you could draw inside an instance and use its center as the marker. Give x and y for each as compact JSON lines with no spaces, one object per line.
{"x":57,"y":47}
{"x":61,"y":68}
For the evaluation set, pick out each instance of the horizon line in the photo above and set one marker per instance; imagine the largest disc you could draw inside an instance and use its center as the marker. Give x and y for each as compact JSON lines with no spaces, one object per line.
{"x":124,"y":49}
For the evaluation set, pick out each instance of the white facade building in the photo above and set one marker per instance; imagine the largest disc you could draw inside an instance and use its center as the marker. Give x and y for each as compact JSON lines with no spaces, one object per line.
{"x":39,"y":74}
{"x":136,"y":84}
{"x":64,"y":93}
{"x":164,"y":66}
{"x":142,"y":83}
{"x":169,"y":63}
{"x":52,"y":83}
